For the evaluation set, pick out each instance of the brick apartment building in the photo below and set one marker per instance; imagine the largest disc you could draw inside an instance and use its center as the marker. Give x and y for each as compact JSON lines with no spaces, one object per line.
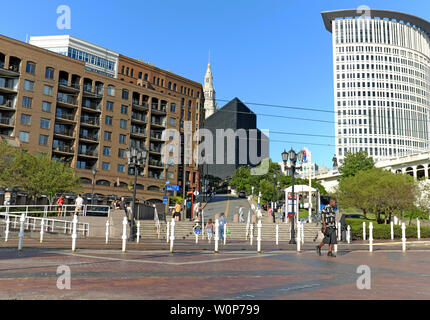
{"x":87,"y":105}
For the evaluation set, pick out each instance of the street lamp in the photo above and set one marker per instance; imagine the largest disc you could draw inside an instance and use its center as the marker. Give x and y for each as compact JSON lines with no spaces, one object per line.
{"x":136,"y":161}
{"x":94,"y":182}
{"x":292,"y":156}
{"x":274,"y":197}
{"x":166,"y":207}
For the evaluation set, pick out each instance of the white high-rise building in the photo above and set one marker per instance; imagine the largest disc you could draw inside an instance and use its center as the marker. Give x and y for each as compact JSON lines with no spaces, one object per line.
{"x":381,"y":81}
{"x":209,"y":92}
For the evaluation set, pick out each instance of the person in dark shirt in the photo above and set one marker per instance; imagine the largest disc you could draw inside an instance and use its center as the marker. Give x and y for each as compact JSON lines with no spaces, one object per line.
{"x":329,"y":228}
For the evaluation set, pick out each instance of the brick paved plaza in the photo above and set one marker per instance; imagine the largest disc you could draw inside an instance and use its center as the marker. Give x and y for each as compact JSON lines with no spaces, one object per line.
{"x":150,"y":271}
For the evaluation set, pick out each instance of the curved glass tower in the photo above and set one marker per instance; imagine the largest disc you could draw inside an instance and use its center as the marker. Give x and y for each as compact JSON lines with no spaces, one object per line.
{"x":381,"y":82}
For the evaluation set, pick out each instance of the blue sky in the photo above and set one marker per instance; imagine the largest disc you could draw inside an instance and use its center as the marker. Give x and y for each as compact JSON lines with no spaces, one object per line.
{"x":274,"y":52}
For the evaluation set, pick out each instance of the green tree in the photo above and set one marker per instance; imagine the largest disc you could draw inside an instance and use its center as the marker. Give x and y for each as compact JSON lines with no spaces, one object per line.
{"x":355,"y":162}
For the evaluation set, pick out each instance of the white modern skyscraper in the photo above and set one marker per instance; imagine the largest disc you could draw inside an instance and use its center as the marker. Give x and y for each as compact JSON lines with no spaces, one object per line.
{"x":381,"y":81}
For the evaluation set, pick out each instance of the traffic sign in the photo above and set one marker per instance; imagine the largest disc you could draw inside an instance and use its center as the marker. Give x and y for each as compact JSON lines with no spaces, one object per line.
{"x":167,"y":182}
{"x":172,"y":188}
{"x":165,"y":200}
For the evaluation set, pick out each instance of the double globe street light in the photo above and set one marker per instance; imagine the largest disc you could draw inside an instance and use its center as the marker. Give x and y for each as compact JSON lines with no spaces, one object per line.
{"x":136,"y":161}
{"x":292,"y":156}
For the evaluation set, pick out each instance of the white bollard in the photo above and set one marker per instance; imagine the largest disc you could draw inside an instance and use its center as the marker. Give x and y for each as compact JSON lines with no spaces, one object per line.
{"x":124,"y":234}
{"x":7,"y":229}
{"x":42,"y":224}
{"x":21,"y":231}
{"x":74,"y":232}
{"x":53,"y":223}
{"x":172,"y":235}
{"x":251,"y":236}
{"x":197,"y":238}
{"x":395,"y":220}
{"x":15,"y":222}
{"x":216,"y":235}
{"x":303,"y":233}
{"x":298,"y":239}
{"x":364,"y":230}
{"x":107,"y":231}
{"x":418,"y":228}
{"x":167,"y":232}
{"x":138,"y":232}
{"x":225,"y":234}
{"x":392,"y":230}
{"x":370,"y":237}
{"x":348,"y":234}
{"x":277,"y":235}
{"x":339,"y":231}
{"x":259,"y":236}
{"x":403,"y":237}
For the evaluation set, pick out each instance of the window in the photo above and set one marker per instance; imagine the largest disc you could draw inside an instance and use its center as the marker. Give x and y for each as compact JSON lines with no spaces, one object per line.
{"x":125,"y":94}
{"x":111,"y":91}
{"x":173,"y":107}
{"x":27,"y":102}
{"x":140,"y":75}
{"x":46,"y":106}
{"x":49,"y":73}
{"x":189,"y":116}
{"x":43,"y":140}
{"x":121,"y":153}
{"x":44,"y":123}
{"x":31,"y":67}
{"x":47,"y":90}
{"x":172,"y":121}
{"x":108,"y":136}
{"x":121,"y":168}
{"x":109,"y":106}
{"x":81,"y":165}
{"x":132,"y":73}
{"x":124,"y":109}
{"x":123,"y":124}
{"x":122,"y":138}
{"x":108,"y":120}
{"x":29,"y":85}
{"x":145,"y":77}
{"x":122,"y":69}
{"x":169,"y":85}
{"x":105,"y":166}
{"x":106,"y":151}
{"x":25,"y":119}
{"x":23,"y":136}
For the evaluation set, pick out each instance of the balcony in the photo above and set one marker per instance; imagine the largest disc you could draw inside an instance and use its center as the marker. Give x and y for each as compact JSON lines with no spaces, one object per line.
{"x":66,"y":99}
{"x":155,"y":110}
{"x":155,"y":149}
{"x":155,"y":175}
{"x":90,"y":121}
{"x":88,"y":91}
{"x":64,"y":132}
{"x":137,"y":105}
{"x":63,"y":149}
{"x":13,"y":71}
{"x":138,"y":117}
{"x":64,"y":86}
{"x":158,"y":123}
{"x":90,"y":105}
{"x":138,"y":131}
{"x":90,"y":137}
{"x":6,"y":122}
{"x":156,"y":163}
{"x":88,"y":153}
{"x":156,"y":136}
{"x":65,"y":116}
{"x":6,"y":104}
{"x":8,"y":85}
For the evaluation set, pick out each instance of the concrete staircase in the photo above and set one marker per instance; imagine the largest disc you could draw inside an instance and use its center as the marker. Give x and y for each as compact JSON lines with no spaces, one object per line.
{"x":184,"y":230}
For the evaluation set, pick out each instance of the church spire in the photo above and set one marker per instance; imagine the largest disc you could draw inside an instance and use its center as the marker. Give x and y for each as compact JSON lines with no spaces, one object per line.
{"x":209,"y":91}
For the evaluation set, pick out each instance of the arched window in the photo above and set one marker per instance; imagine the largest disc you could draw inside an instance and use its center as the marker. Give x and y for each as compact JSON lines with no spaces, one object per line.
{"x":420,"y":172}
{"x":153,"y":188}
{"x":410,"y":171}
{"x":145,"y":77}
{"x":140,"y":187}
{"x":103,"y":183}
{"x":174,"y":87}
{"x":169,"y":86}
{"x":86,"y":181}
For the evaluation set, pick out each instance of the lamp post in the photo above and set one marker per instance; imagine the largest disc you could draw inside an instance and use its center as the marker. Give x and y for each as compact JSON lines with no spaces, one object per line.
{"x":136,"y":161}
{"x":292,"y":156}
{"x":166,"y":207}
{"x":94,"y":183}
{"x":274,"y":197}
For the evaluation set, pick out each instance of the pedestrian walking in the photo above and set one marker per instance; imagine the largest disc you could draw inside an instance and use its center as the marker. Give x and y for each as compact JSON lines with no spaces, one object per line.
{"x":329,"y":228}
{"x":79,"y":203}
{"x":284,"y":212}
{"x":123,"y":206}
{"x":177,"y":211}
{"x":210,"y":229}
{"x":279,"y":213}
{"x":60,"y":203}
{"x":222,"y":221}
